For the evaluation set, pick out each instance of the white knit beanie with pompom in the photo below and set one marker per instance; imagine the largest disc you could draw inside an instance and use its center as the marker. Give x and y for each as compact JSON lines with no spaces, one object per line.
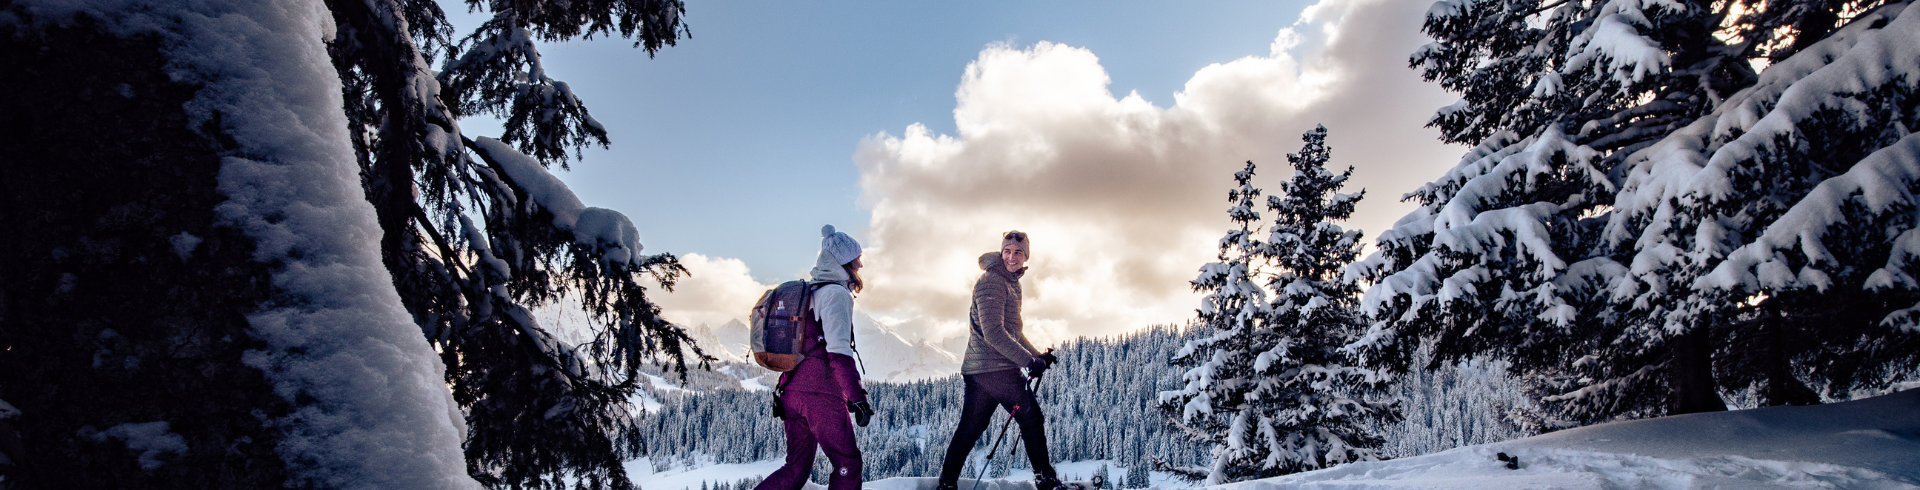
{"x":838,"y":244}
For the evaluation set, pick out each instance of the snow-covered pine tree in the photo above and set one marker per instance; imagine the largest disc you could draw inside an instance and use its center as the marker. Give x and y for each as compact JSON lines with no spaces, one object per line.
{"x":1213,"y":407}
{"x":1583,"y":238}
{"x":1317,"y":408}
{"x":1268,"y":387}
{"x":1139,"y":475}
{"x":473,"y":243}
{"x":1492,"y":262}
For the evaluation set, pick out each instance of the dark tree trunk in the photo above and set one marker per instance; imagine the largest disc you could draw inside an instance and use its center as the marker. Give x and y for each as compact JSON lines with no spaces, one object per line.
{"x":1690,"y":374}
{"x":1782,"y":387}
{"x":1812,"y":28}
{"x":121,"y":299}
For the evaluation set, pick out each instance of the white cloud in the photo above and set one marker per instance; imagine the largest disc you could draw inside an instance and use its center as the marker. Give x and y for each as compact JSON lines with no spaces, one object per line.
{"x":1124,"y":199}
{"x":715,"y":290}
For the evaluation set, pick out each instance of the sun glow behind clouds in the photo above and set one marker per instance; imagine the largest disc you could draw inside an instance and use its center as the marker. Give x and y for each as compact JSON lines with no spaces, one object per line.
{"x":1125,"y":200}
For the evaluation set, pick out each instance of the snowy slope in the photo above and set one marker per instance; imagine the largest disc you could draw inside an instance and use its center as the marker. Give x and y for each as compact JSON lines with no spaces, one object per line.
{"x":889,"y":356}
{"x":1865,"y":444}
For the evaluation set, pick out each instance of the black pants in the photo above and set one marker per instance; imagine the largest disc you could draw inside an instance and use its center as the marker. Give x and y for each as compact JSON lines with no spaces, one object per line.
{"x":984,"y":392}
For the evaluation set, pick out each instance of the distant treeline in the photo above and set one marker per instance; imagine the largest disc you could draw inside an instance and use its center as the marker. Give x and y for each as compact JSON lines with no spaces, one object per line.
{"x":1100,"y":404}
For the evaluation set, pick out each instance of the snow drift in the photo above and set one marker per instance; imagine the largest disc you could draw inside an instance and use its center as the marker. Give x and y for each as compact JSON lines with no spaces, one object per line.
{"x":1864,"y":444}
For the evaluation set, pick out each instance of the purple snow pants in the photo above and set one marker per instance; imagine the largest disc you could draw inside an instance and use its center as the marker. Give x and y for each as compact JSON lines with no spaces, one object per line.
{"x":816,"y":420}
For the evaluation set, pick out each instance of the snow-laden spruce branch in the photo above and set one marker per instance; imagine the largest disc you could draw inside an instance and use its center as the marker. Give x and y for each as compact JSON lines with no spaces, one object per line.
{"x":1638,"y":194}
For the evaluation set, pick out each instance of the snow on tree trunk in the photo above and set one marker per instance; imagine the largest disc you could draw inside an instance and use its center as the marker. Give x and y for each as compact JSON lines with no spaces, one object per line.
{"x":370,"y":408}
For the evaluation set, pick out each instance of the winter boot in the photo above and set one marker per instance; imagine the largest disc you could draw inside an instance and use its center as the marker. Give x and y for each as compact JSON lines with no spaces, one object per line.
{"x":1045,"y":482}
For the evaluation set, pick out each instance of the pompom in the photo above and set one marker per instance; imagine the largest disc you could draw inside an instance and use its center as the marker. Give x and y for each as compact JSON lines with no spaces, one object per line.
{"x":826,"y":231}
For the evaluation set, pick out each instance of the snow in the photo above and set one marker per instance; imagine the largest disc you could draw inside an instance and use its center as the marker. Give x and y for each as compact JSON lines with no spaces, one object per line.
{"x":645,"y":401}
{"x":681,"y":478}
{"x":754,"y":384}
{"x":1881,"y":182}
{"x":1872,"y":443}
{"x":542,"y":187}
{"x":1470,"y":213}
{"x":602,"y":230}
{"x":1615,"y":38}
{"x":370,"y":405}
{"x":1869,"y":444}
{"x":151,"y":439}
{"x":887,"y":355}
{"x":184,"y":244}
{"x":662,"y":384}
{"x":684,"y":478}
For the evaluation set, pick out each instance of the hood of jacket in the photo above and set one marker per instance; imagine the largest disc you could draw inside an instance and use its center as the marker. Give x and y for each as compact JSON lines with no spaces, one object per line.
{"x":826,"y":269}
{"x":991,"y":262}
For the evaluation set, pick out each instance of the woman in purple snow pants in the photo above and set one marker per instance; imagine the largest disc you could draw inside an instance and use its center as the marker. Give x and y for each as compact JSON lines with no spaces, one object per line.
{"x":818,"y":394}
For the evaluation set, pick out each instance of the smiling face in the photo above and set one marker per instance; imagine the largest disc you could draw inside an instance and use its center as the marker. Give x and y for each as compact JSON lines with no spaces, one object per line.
{"x":1013,"y":250}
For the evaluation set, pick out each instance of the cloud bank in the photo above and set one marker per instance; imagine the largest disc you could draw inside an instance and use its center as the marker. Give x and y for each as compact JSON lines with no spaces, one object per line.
{"x":1125,"y":200}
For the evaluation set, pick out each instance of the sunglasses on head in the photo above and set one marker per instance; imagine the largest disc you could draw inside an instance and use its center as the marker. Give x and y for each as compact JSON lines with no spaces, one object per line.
{"x":1015,"y":236}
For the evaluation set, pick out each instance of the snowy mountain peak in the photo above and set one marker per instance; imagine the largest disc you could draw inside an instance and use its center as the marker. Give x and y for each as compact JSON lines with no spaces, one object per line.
{"x":885,"y":353}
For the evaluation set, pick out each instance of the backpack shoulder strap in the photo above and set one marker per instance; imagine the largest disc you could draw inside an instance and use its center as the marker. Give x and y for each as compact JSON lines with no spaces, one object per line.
{"x":852,"y":336}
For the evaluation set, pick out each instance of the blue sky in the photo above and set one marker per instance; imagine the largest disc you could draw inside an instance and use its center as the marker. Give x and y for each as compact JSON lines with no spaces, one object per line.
{"x":738,"y":142}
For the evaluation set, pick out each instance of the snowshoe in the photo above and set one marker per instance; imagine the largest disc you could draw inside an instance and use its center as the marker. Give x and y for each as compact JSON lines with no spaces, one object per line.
{"x":1050,"y":483}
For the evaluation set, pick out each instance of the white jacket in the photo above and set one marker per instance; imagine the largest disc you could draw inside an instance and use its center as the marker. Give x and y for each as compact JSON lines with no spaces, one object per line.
{"x":833,"y":304}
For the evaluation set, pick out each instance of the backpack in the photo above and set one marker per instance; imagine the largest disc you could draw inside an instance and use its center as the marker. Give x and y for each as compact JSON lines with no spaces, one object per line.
{"x":776,"y":325}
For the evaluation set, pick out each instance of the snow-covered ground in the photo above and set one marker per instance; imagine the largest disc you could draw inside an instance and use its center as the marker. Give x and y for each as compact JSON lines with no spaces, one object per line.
{"x":641,"y":471}
{"x":1865,"y":444}
{"x":1869,"y":444}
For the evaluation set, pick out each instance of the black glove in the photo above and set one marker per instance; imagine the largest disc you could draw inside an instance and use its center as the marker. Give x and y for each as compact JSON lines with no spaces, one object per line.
{"x":1039,"y":364}
{"x":862,"y":412}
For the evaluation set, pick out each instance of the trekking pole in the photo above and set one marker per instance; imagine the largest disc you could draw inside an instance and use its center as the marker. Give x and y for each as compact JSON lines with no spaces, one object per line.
{"x":1001,"y":437}
{"x":1031,"y":388}
{"x":989,"y":461}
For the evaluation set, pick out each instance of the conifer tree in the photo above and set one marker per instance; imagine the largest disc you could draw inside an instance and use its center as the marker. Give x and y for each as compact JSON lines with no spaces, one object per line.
{"x":1326,"y":407}
{"x":477,"y":232}
{"x":473,"y":233}
{"x":1213,"y":407}
{"x":1609,"y":232}
{"x":1267,"y":387}
{"x":1139,"y":475}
